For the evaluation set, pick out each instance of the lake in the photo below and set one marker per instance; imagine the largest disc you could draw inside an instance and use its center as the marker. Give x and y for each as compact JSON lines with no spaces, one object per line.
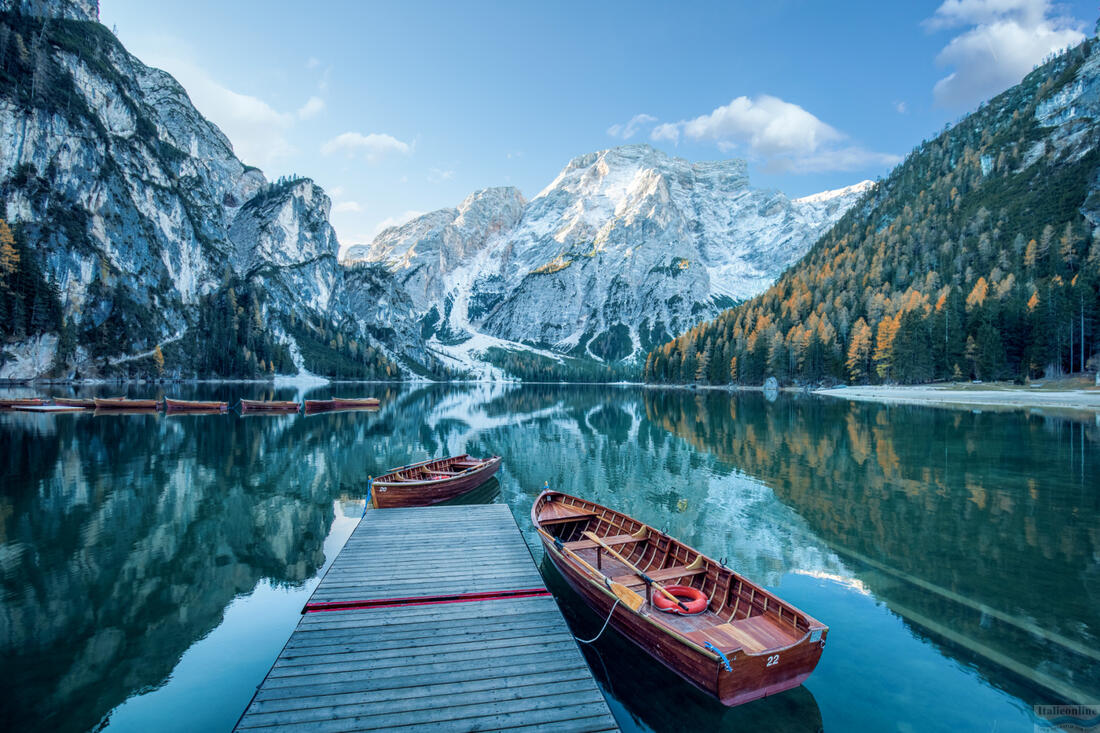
{"x":153,"y":566}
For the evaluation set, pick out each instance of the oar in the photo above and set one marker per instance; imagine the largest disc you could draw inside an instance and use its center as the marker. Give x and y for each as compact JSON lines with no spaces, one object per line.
{"x":595,"y":538}
{"x":630,"y":599}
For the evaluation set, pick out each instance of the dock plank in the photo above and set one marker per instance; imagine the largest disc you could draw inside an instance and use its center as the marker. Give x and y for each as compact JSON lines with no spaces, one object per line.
{"x":502,"y":663}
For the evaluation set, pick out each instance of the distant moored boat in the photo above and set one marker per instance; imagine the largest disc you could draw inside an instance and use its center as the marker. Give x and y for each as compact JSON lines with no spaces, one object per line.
{"x":85,"y":402}
{"x":193,"y":406}
{"x":433,"y":481}
{"x":123,"y":403}
{"x":269,"y":406}
{"x":340,"y":403}
{"x":10,"y":403}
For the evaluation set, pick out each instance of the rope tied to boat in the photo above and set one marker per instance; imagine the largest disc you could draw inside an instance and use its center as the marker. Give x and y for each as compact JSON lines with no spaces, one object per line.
{"x":721,"y":656}
{"x":602,"y":628}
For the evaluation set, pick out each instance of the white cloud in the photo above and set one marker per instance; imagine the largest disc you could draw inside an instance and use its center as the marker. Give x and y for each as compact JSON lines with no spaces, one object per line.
{"x":372,"y":145}
{"x":346,"y":207}
{"x":901,"y":107}
{"x":435,"y":175}
{"x":311,"y":108}
{"x":336,"y":191}
{"x":257,"y":131}
{"x":1004,"y":40}
{"x":628,"y":130}
{"x":396,"y":221}
{"x":313,"y":62}
{"x":783,"y":135}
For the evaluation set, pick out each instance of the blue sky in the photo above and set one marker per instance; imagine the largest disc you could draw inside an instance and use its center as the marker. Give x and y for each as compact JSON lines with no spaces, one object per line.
{"x":403,"y":108}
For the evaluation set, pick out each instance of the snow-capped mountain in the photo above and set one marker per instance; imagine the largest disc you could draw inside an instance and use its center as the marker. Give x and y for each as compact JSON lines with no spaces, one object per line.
{"x":624,"y":247}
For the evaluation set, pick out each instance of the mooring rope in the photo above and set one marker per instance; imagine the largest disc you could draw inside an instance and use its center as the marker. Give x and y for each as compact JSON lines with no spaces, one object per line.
{"x":603,"y":628}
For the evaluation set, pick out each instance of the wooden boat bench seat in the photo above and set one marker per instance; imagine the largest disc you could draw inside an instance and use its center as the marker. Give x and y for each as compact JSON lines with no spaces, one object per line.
{"x":678,"y":571}
{"x":558,"y":513}
{"x":613,"y":541}
{"x":754,"y":634}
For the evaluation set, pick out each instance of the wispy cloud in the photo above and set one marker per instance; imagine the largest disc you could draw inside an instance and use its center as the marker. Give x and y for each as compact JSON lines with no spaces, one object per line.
{"x":435,"y":175}
{"x":781,"y":134}
{"x":345,"y":207}
{"x":1002,"y":41}
{"x":628,"y":130}
{"x":396,"y":221}
{"x":371,"y":146}
{"x":901,"y":108}
{"x":312,"y":63}
{"x":312,"y":108}
{"x":258,"y":131}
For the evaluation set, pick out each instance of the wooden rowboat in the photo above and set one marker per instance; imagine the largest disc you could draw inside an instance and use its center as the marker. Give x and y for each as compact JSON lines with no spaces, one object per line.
{"x":122,"y":403}
{"x":85,"y":402}
{"x":269,"y":406}
{"x":340,"y":403}
{"x":49,"y":408}
{"x":18,"y":402}
{"x":432,"y":481}
{"x":193,"y":406}
{"x":745,"y":642}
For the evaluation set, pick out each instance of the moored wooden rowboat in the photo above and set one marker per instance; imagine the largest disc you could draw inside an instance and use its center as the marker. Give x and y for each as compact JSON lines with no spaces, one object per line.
{"x":193,"y":406}
{"x":269,"y":406}
{"x":85,"y":402}
{"x":743,"y":644}
{"x":344,"y":402}
{"x":432,"y":481}
{"x":49,"y":408}
{"x":340,"y":403}
{"x":123,"y":403}
{"x":17,"y":402}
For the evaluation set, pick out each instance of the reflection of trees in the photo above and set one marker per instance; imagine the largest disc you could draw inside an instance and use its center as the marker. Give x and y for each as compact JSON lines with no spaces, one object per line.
{"x":954,"y":510}
{"x":124,"y":549}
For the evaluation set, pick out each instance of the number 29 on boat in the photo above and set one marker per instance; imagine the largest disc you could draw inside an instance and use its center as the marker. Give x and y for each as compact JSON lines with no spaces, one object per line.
{"x":726,"y":635}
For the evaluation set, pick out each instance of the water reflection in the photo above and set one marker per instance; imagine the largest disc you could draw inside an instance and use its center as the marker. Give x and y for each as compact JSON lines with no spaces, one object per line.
{"x":981,"y":530}
{"x":125,"y":539}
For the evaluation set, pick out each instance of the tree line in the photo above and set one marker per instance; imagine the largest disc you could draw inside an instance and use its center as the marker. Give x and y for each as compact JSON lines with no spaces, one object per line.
{"x":973,"y":260}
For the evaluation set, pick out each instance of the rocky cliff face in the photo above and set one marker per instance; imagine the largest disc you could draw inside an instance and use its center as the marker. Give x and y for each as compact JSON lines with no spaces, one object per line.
{"x":625,"y":246}
{"x":138,"y":203}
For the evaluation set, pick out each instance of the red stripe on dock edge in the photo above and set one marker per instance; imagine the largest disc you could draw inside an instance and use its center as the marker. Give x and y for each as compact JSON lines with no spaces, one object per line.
{"x":496,"y":595}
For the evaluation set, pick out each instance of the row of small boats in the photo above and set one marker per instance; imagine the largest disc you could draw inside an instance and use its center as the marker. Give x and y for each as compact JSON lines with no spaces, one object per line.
{"x":124,"y":404}
{"x":712,"y":626}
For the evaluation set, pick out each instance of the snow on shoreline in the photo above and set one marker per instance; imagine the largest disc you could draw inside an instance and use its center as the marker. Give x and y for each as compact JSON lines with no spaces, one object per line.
{"x":942,"y":396}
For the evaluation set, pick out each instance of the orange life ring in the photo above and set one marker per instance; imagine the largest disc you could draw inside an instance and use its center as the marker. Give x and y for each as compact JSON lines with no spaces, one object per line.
{"x":693,"y":598}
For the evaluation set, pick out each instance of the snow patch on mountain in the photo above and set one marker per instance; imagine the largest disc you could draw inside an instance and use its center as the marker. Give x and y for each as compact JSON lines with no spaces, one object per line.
{"x":622,"y":248}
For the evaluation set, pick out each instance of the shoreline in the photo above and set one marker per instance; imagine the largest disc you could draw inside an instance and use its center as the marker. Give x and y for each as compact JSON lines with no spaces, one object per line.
{"x":945,"y":396}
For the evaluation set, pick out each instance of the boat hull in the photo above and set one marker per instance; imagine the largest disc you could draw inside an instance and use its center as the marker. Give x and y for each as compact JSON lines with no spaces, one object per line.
{"x":753,"y":673}
{"x":194,"y":406}
{"x":21,"y":402}
{"x":340,"y":404}
{"x":269,"y":406}
{"x":388,"y":494}
{"x":125,"y":404}
{"x":84,"y":402}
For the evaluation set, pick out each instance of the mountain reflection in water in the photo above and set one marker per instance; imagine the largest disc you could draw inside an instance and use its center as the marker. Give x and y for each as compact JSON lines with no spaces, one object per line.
{"x":956,"y":555}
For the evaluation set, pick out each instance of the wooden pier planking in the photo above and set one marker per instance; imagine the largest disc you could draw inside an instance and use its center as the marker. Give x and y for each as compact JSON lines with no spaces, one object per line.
{"x":500,"y":664}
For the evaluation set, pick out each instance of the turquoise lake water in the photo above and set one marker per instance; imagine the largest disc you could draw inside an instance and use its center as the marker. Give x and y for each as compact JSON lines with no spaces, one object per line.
{"x":152,"y":567}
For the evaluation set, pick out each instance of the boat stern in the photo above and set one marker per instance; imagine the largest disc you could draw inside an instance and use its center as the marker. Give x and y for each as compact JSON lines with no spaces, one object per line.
{"x":755,"y":675}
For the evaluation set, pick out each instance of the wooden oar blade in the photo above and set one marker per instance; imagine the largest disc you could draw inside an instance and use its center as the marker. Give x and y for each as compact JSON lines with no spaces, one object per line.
{"x":630,"y":599}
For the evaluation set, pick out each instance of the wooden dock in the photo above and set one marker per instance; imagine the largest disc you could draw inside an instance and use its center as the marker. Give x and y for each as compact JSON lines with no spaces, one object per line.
{"x":431,"y":619}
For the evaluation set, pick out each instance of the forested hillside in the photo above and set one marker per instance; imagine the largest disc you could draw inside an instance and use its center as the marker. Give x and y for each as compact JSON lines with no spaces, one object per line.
{"x":976,"y":258}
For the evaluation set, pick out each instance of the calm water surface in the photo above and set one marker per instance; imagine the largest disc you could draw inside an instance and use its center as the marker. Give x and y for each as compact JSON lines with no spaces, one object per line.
{"x":152,"y":567}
